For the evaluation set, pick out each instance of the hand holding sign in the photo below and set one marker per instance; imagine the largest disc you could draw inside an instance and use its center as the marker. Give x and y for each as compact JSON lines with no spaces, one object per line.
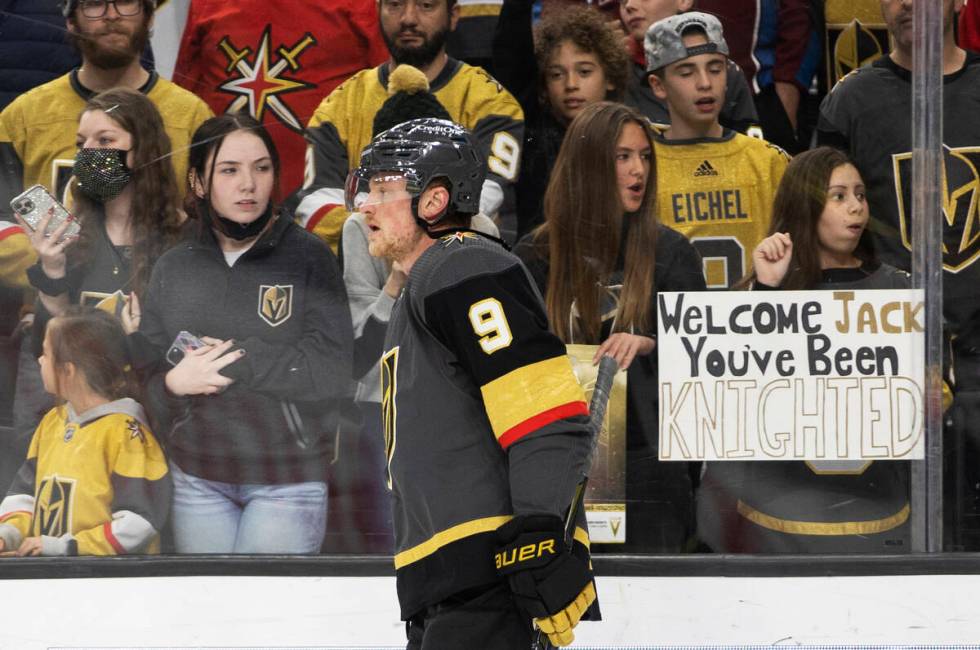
{"x":771,"y":259}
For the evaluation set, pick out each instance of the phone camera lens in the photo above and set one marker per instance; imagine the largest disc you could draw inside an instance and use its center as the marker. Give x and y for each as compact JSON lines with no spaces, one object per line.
{"x":24,"y":206}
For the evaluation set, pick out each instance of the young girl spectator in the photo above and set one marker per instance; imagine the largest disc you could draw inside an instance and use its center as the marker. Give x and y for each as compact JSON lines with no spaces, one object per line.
{"x":600,"y":259}
{"x":125,"y":196}
{"x":250,"y":417}
{"x":572,"y":60}
{"x":817,"y":241}
{"x":95,"y":481}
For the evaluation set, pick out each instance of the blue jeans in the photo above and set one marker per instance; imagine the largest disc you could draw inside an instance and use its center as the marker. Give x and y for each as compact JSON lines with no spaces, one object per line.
{"x":215,"y":517}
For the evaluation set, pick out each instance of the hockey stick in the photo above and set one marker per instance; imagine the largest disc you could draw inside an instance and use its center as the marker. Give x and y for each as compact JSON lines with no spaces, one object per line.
{"x":597,"y":413}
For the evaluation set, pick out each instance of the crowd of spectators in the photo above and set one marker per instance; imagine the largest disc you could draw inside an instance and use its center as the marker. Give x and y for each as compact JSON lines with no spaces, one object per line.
{"x":631,"y":148}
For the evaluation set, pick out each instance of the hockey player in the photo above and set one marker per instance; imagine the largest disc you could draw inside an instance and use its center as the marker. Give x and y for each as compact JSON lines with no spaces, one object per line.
{"x":415,"y":32}
{"x":715,"y":186}
{"x":485,"y":424}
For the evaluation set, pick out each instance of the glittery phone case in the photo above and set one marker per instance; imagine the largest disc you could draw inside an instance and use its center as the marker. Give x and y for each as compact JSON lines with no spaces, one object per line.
{"x":34,"y":204}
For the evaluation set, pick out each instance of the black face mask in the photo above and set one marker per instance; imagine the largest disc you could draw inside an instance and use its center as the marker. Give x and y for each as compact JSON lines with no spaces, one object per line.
{"x":101,"y":174}
{"x":241,"y":231}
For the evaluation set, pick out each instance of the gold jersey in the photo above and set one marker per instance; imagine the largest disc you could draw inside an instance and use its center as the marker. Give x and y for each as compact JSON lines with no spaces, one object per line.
{"x":718,"y":192}
{"x":40,"y":127}
{"x":101,"y":480}
{"x":343,"y":123}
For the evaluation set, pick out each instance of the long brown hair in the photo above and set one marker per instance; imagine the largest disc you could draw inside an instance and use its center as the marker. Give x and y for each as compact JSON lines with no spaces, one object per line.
{"x":796,"y":209}
{"x":94,"y":341}
{"x":155,"y":217}
{"x":584,"y":228}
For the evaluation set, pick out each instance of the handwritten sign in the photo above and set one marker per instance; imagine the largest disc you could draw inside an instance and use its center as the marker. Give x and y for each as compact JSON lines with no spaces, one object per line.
{"x":791,"y":375}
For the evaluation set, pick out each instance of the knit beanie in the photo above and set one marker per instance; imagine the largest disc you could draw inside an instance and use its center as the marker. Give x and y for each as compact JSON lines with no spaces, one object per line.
{"x":408,"y":99}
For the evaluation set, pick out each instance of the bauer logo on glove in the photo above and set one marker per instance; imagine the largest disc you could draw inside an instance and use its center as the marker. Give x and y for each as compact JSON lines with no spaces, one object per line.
{"x":523,"y":554}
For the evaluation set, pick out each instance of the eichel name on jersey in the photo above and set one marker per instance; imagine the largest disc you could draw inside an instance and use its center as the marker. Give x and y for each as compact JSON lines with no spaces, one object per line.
{"x":342,"y":125}
{"x":718,"y":192}
{"x":473,"y":384}
{"x":99,"y":483}
{"x":851,"y":117}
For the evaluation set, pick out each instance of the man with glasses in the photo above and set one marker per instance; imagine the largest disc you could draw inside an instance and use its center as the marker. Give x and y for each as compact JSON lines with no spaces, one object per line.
{"x":37,"y":130}
{"x":415,"y":33}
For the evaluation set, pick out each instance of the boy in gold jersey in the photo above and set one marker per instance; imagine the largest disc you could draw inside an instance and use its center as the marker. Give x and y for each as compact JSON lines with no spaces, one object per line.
{"x":715,"y":186}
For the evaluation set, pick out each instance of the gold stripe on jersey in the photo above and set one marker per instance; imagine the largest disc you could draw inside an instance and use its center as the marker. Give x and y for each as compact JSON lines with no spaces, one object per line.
{"x":525,"y":399}
{"x":472,"y":11}
{"x":793,"y":527}
{"x":582,"y":537}
{"x":448,"y":536}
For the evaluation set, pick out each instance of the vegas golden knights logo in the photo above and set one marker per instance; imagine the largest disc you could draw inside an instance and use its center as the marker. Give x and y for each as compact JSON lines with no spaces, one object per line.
{"x":389,"y":387}
{"x":52,"y":511}
{"x":960,"y":196}
{"x":275,"y":303}
{"x":852,"y":47}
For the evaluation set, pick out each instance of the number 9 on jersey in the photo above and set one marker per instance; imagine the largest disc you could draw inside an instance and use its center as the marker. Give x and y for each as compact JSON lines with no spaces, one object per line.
{"x":489,"y":322}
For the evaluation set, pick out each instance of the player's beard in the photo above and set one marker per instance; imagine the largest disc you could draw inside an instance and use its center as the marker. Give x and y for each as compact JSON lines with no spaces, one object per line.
{"x":394,"y":246}
{"x":419,"y":56}
{"x":111,"y":58}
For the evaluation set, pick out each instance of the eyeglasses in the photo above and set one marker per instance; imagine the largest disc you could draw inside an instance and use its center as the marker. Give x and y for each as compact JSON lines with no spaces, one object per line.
{"x":98,"y":8}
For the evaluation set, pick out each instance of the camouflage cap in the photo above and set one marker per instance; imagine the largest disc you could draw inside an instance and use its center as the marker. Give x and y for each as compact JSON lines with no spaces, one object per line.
{"x":664,"y":42}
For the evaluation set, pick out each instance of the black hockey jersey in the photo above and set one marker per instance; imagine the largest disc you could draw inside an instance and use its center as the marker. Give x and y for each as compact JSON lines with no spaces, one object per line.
{"x":810,"y":507}
{"x":869,"y":113}
{"x":473,"y":386}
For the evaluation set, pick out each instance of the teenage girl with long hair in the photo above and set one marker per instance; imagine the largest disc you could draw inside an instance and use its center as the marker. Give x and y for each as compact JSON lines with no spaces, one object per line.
{"x":600,"y":259}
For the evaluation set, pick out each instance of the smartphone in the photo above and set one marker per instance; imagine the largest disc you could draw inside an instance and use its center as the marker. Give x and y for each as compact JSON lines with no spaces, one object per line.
{"x":185,"y":342}
{"x":35,"y":203}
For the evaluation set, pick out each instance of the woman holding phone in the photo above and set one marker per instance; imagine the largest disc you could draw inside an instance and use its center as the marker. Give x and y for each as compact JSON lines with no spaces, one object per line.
{"x":249,"y":417}
{"x":125,"y":197}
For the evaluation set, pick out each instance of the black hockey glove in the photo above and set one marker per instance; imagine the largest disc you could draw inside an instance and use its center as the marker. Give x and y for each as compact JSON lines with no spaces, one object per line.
{"x":553,"y":586}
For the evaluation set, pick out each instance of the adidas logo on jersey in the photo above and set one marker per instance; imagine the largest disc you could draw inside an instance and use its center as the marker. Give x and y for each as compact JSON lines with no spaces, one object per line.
{"x":705,"y":169}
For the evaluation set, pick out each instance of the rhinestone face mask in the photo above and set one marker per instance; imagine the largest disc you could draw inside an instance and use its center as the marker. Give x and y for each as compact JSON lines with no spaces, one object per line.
{"x":101,"y":174}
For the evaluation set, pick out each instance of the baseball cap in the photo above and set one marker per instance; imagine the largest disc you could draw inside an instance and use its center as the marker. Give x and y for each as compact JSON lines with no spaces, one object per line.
{"x":664,"y":42}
